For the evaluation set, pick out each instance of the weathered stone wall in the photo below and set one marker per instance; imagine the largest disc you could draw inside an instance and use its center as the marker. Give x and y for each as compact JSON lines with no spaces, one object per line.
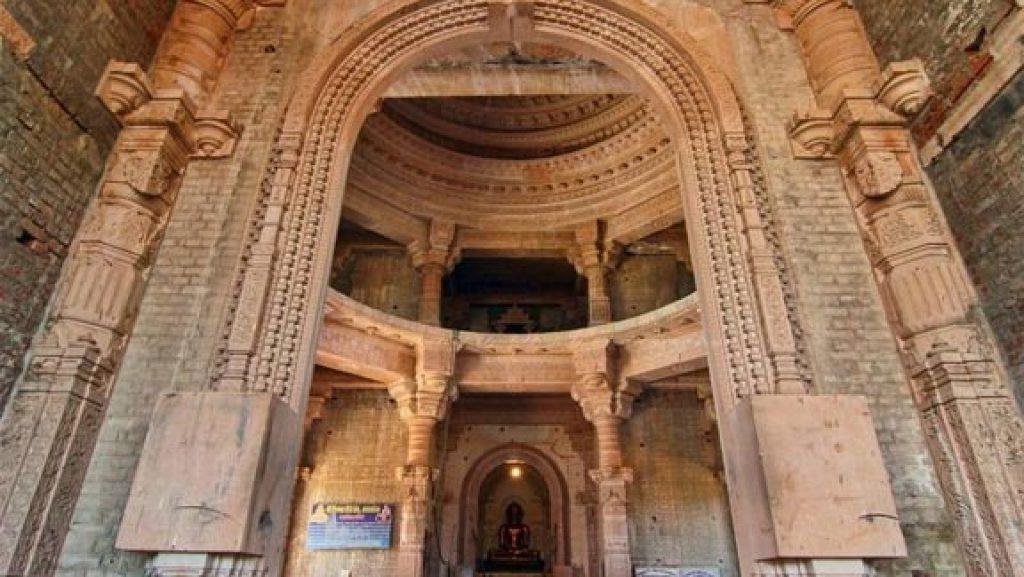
{"x":54,"y":138}
{"x":643,"y":283}
{"x":382,"y":279}
{"x":355,"y":450}
{"x":678,"y":506}
{"x":980,"y":182}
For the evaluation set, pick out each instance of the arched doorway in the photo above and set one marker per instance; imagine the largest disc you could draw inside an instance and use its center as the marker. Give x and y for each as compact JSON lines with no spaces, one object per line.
{"x":482,"y":497}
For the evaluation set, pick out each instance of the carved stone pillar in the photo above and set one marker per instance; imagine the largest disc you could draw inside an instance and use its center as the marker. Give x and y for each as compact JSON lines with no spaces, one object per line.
{"x":422,"y":403}
{"x":590,"y":262}
{"x":973,"y":427}
{"x":606,"y":406}
{"x":51,"y":423}
{"x":432,"y":258}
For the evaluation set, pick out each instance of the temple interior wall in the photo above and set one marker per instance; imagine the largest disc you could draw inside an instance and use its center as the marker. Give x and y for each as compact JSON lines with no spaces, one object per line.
{"x":678,"y":504}
{"x":355,"y":451}
{"x":643,"y":283}
{"x":382,"y":279}
{"x":54,"y":138}
{"x":178,"y":328}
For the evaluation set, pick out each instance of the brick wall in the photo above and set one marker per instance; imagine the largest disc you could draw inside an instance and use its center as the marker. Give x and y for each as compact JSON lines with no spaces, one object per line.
{"x":678,"y":507}
{"x":355,"y":450}
{"x":977,"y":178}
{"x":949,"y":36}
{"x":980,"y":182}
{"x":54,"y":138}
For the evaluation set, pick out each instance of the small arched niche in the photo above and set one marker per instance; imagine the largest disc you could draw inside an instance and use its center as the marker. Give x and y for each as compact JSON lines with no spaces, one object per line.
{"x":515,"y":483}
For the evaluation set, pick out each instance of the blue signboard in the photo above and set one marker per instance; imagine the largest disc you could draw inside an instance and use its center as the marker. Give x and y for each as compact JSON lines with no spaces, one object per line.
{"x":349,"y":526}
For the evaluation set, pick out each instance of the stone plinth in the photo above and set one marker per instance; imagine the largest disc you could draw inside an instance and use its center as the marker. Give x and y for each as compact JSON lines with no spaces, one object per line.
{"x":811,"y":473}
{"x":210,"y":474}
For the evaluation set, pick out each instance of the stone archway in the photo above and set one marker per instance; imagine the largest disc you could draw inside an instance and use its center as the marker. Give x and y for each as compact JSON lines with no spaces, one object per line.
{"x":748,"y":317}
{"x":272,"y":333}
{"x":553,"y":478}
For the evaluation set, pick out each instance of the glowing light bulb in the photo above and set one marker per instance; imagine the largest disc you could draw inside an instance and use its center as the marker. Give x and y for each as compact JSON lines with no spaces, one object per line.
{"x":515,"y":471}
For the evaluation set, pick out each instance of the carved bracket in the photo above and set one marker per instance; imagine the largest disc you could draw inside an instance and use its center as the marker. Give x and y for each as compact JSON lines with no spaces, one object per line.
{"x":123,"y":88}
{"x":811,"y":135}
{"x":904,"y":87}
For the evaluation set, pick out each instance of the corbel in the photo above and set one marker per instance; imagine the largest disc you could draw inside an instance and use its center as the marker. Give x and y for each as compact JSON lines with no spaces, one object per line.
{"x":904,"y":87}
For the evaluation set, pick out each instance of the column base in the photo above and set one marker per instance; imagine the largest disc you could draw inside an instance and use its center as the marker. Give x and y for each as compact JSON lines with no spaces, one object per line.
{"x":813,"y":568}
{"x":205,"y":565}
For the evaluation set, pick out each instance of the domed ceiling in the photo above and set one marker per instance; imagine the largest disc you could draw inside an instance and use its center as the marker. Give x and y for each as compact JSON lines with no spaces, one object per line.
{"x":547,"y":157}
{"x":517,"y":127}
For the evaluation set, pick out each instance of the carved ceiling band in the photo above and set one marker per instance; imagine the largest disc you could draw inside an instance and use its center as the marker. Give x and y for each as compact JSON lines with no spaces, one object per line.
{"x":271,"y":333}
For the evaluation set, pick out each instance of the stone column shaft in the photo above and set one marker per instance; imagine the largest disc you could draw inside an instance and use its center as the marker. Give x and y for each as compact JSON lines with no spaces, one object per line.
{"x":431,"y":278}
{"x":422,"y":403}
{"x":599,"y":304}
{"x":605,"y":406}
{"x":973,"y":428}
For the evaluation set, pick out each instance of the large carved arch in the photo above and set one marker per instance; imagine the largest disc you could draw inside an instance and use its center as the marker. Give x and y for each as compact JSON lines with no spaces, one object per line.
{"x":273,"y":329}
{"x":271,"y":334}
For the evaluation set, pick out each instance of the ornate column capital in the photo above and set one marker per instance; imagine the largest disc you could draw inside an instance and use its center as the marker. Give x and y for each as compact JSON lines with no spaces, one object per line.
{"x":126,"y":91}
{"x":435,"y":249}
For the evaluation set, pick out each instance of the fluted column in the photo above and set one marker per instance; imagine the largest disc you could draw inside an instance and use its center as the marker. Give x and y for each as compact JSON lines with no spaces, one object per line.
{"x":606,"y":406}
{"x":50,"y":427}
{"x":974,"y":430}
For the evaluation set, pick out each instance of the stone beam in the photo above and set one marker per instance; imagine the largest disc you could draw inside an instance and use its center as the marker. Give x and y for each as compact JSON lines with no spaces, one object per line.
{"x":348,"y":349}
{"x":656,"y":359}
{"x":482,"y":372}
{"x":384,"y":219}
{"x":523,"y":80}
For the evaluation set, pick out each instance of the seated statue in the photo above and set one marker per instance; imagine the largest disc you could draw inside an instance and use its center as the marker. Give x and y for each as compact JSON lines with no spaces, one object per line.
{"x":513,"y":553}
{"x":514,"y":535}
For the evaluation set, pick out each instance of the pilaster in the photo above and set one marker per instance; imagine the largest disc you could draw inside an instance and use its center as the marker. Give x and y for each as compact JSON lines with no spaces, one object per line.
{"x":593,"y":261}
{"x":52,"y":421}
{"x":422,"y":401}
{"x":973,"y":427}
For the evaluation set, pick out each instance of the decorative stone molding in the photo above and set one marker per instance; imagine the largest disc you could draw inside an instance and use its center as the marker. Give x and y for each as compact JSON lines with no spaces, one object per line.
{"x":326,"y":111}
{"x":959,"y":387}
